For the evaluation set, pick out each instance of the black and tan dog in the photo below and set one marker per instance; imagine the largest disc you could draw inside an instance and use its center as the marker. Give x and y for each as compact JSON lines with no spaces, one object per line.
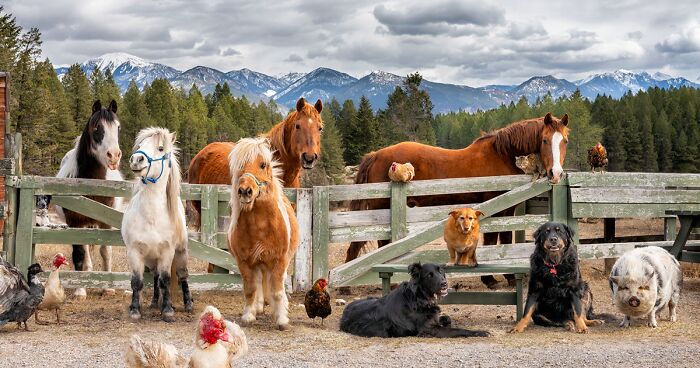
{"x":557,"y":295}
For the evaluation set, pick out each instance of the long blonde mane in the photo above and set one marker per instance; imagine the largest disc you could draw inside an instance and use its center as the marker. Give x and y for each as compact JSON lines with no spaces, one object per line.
{"x":162,"y":137}
{"x":245,"y":151}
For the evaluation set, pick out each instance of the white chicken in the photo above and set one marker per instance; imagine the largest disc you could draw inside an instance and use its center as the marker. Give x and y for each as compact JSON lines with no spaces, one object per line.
{"x":54,"y":295}
{"x":218,"y":343}
{"x":152,"y":354}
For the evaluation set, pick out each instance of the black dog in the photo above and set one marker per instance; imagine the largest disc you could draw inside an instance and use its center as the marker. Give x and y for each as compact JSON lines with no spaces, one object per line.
{"x":557,"y":295}
{"x":409,"y":310}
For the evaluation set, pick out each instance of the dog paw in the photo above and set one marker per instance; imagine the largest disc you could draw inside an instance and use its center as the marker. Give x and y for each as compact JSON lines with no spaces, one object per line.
{"x":517,"y":329}
{"x":595,"y":322}
{"x":652,"y":324}
{"x":582,"y":330}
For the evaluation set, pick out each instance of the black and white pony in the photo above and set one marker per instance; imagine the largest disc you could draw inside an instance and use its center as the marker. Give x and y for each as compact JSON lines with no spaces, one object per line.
{"x":96,"y":155}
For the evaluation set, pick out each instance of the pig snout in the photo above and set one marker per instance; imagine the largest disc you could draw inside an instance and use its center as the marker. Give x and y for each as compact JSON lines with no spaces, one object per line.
{"x":634,"y":301}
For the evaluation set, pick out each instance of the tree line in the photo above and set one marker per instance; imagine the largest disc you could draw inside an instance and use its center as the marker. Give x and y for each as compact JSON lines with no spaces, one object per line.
{"x":656,"y":130}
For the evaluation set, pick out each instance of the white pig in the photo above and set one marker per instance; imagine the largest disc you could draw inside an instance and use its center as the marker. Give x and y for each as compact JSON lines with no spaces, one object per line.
{"x":643,"y":282}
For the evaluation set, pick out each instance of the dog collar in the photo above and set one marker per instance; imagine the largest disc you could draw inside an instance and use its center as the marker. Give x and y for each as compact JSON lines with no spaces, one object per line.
{"x":552,"y":267}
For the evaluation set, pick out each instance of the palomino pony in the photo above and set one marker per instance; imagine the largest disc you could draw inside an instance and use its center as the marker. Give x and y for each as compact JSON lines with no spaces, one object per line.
{"x":153,"y":226}
{"x":96,"y":155}
{"x":296,"y":142}
{"x":492,"y":154}
{"x":263,"y":234}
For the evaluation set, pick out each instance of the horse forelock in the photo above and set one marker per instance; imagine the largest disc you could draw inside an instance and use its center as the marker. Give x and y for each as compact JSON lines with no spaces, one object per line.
{"x":278,"y":132}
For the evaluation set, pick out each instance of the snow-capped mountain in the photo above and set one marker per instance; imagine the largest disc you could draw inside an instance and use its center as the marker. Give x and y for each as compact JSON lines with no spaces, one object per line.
{"x":539,"y":86}
{"x":325,"y":83}
{"x":125,"y":67}
{"x":320,"y":83}
{"x":619,"y":82}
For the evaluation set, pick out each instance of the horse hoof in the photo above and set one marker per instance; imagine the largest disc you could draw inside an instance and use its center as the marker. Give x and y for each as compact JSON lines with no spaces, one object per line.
{"x":80,"y":294}
{"x":134,"y":316}
{"x":283,"y":327}
{"x":169,"y":317}
{"x":189,"y":307}
{"x":247,"y":319}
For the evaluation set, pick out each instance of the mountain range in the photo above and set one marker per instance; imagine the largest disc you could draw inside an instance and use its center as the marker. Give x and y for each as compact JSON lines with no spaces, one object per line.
{"x":325,"y":83}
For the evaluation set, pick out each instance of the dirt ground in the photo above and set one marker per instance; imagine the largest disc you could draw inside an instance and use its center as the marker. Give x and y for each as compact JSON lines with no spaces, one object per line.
{"x":96,"y":331}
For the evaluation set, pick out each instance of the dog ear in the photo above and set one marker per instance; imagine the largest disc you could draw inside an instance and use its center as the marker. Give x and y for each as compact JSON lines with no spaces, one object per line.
{"x":569,"y":233}
{"x":454,"y":213}
{"x":414,"y":270}
{"x":478,"y":213}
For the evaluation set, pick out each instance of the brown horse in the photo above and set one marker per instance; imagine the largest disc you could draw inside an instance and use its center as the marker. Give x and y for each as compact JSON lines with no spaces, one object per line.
{"x":263,"y":234}
{"x":492,"y":154}
{"x":296,"y":142}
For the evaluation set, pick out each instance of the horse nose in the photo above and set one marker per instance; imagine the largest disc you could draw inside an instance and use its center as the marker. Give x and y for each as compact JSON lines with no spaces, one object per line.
{"x":245,"y":192}
{"x":309,"y":158}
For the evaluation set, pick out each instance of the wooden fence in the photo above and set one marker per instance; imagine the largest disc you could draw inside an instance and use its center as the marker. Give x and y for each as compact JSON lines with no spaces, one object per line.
{"x":578,"y":196}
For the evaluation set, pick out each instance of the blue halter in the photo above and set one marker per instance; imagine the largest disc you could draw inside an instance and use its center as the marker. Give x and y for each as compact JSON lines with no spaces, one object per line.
{"x":145,"y":179}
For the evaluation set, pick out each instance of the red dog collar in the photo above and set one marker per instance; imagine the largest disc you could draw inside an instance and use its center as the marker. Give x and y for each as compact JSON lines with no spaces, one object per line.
{"x":552,"y":267}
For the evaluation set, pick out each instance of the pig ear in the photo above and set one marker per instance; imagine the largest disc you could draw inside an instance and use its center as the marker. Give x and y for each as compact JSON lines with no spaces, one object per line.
{"x":615,"y":280}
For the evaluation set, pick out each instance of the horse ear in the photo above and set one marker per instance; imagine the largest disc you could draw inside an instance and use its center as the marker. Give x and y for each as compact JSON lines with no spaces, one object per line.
{"x":318,"y":105}
{"x":301,"y":103}
{"x":565,"y":119}
{"x":97,"y":106}
{"x":113,"y":106}
{"x":548,"y":118}
{"x":173,"y":137}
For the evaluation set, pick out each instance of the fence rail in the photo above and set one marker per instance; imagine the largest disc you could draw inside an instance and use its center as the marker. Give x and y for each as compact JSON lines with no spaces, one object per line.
{"x":580,"y":195}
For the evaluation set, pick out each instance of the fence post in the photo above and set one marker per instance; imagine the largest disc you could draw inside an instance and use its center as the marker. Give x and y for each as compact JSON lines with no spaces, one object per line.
{"x":209,"y":220}
{"x":13,"y":144}
{"x":399,"y":229}
{"x":321,"y":234}
{"x":669,"y":228}
{"x":303,"y":257}
{"x":560,"y":208}
{"x":25,"y":222}
{"x":520,"y":234}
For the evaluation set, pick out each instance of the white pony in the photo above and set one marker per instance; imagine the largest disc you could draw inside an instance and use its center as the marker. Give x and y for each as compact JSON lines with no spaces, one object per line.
{"x":96,"y":155}
{"x":153,"y":226}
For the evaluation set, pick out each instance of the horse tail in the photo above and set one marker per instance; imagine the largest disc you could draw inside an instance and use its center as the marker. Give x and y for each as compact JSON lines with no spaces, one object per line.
{"x":362,"y":177}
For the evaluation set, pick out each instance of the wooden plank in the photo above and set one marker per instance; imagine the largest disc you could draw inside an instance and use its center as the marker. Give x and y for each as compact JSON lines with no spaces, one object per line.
{"x":481,"y":268}
{"x":648,"y":210}
{"x":558,"y":202}
{"x":399,"y":227}
{"x":348,"y":192}
{"x":212,"y":255}
{"x":348,"y":271}
{"x":74,"y":186}
{"x":634,"y":195}
{"x":303,"y":257}
{"x":341,"y":219}
{"x":617,"y":179}
{"x":25,"y":222}
{"x":122,"y":280}
{"x":90,"y":208}
{"x":7,"y":167}
{"x":78,"y":236}
{"x":321,"y":237}
{"x":467,"y":185}
{"x":208,"y":215}
{"x":224,"y":192}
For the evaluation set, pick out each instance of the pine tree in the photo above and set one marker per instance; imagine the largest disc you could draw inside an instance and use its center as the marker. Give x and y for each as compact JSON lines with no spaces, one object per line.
{"x":78,"y":95}
{"x":9,"y":40}
{"x":195,"y":123}
{"x":162,"y":105}
{"x":344,"y":124}
{"x":133,"y":115}
{"x":331,"y":148}
{"x":662,"y":141}
{"x":363,"y":135}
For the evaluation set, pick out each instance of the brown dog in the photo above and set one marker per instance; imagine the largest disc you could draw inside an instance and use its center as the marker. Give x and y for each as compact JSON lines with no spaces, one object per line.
{"x":462,"y":236}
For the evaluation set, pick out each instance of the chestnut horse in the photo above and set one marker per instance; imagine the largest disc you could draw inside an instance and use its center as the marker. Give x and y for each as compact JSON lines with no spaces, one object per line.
{"x":492,"y":154}
{"x":263,"y":233}
{"x":296,"y":142}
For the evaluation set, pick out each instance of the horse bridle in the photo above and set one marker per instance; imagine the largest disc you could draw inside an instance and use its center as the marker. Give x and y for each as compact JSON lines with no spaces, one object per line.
{"x":145,"y":179}
{"x":260,"y":184}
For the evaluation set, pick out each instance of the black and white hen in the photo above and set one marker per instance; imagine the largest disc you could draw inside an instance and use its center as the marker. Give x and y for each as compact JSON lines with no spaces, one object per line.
{"x":19,"y":299}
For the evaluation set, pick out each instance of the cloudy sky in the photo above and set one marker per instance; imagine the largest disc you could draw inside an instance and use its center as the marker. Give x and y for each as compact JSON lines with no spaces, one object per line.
{"x":455,"y":41}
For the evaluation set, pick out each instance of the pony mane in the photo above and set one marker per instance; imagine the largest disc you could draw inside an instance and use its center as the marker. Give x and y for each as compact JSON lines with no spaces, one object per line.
{"x":277,"y":133}
{"x":520,"y":138}
{"x":245,"y":151}
{"x":173,"y":185}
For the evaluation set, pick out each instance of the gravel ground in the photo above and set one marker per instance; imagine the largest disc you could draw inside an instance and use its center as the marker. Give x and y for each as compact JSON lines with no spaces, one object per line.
{"x":96,"y":333}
